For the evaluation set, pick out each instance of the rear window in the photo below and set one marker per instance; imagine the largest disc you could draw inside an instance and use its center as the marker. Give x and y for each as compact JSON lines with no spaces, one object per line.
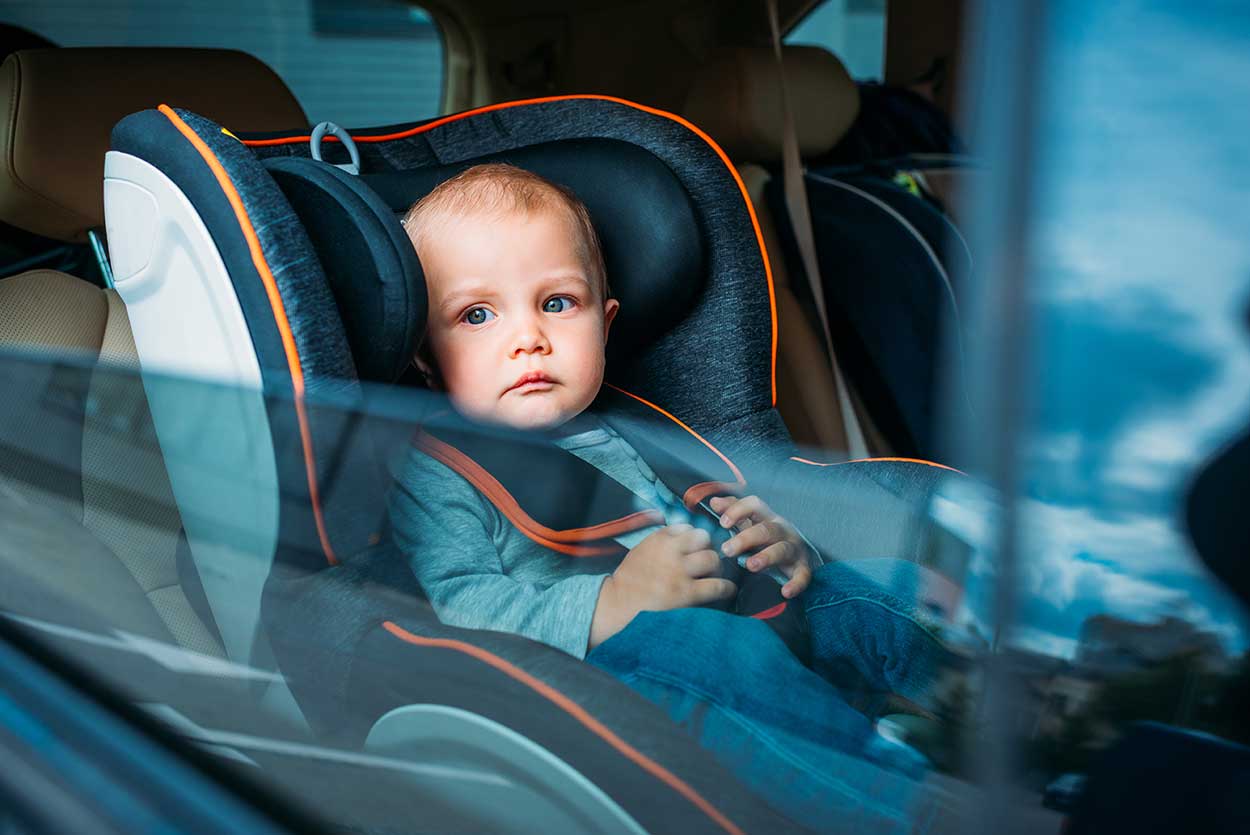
{"x":359,"y":63}
{"x":853,"y":30}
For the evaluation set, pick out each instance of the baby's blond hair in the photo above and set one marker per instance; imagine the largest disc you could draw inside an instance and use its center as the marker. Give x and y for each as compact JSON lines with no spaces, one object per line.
{"x":498,"y":188}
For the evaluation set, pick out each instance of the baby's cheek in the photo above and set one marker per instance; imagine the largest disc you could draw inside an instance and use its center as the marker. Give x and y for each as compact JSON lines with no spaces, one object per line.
{"x":464,"y":379}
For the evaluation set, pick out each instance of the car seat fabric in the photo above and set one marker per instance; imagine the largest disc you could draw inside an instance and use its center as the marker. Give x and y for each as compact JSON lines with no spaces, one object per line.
{"x":319,"y":621}
{"x":290,"y":316}
{"x":370,"y":267}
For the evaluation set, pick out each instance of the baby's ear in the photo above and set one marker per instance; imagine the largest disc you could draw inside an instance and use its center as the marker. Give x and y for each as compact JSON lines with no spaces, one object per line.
{"x":428,"y":372}
{"x":610,"y":308}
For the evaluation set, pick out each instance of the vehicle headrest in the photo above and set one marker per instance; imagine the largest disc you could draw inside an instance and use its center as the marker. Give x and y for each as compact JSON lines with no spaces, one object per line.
{"x":652,"y":243}
{"x":371,"y":267}
{"x":736,"y":97}
{"x":59,"y":106}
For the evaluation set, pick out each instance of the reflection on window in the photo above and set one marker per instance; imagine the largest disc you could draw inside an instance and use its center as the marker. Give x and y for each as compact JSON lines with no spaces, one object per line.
{"x":853,"y":30}
{"x":1140,"y":291}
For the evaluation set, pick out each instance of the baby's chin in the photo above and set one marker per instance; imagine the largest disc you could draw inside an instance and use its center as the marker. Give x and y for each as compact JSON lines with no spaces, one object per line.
{"x":530,"y":414}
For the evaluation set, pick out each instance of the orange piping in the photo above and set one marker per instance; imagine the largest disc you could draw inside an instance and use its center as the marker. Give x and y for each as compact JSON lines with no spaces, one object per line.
{"x":772,"y":612}
{"x":577,"y":712}
{"x":279,"y":314}
{"x":703,"y":489}
{"x":866,"y":460}
{"x":737,"y":473}
{"x":746,"y":197}
{"x":563,"y":541}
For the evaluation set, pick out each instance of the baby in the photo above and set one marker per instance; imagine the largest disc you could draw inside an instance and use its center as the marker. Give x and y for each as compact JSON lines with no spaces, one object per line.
{"x":519,"y":317}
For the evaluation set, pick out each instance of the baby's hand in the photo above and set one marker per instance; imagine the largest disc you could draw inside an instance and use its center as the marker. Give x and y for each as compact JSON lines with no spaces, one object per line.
{"x":672,"y":568}
{"x":778,"y":541}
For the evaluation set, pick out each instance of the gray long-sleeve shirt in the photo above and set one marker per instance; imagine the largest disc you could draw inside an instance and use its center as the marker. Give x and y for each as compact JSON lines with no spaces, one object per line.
{"x":480,"y":572}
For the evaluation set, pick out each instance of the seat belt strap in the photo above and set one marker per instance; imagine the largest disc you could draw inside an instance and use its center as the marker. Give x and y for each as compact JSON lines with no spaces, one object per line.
{"x":801,"y":222}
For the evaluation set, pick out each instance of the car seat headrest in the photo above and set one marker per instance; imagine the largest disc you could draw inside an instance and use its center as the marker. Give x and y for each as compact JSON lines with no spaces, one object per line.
{"x":736,"y":98}
{"x":652,"y":243}
{"x":59,"y":106}
{"x":368,"y":262}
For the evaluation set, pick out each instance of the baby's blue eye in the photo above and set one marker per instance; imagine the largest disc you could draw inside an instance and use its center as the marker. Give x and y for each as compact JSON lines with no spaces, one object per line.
{"x":478,"y":316}
{"x":559,"y":304}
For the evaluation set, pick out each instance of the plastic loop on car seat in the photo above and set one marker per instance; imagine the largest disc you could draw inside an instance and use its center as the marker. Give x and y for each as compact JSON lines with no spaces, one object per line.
{"x":343,"y":136}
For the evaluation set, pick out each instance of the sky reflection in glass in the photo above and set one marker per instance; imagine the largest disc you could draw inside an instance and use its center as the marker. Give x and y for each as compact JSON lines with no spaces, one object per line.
{"x":1141,"y":265}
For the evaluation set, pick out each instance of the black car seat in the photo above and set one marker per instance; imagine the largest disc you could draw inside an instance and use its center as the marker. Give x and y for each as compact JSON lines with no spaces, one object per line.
{"x":885,"y":256}
{"x":901,"y":191}
{"x":299,"y":285}
{"x":78,"y":439}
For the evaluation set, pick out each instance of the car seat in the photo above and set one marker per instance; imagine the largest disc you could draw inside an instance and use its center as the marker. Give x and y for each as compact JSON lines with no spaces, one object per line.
{"x":78,"y":440}
{"x":296,"y":286}
{"x":887,"y":258}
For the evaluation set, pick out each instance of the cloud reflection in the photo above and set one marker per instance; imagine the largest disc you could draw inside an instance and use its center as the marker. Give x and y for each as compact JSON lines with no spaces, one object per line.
{"x":1142,"y":273}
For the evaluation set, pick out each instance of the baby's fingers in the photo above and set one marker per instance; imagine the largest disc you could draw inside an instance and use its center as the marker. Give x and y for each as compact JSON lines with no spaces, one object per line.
{"x":780,"y":554}
{"x":689,"y":539}
{"x":702,"y":564}
{"x":799,"y":580}
{"x":749,"y":509}
{"x":710,"y":590}
{"x":756,"y":536}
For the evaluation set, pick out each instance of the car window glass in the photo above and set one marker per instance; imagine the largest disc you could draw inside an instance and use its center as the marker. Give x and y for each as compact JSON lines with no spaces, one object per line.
{"x":853,"y":30}
{"x":1141,"y":364}
{"x":359,"y":64}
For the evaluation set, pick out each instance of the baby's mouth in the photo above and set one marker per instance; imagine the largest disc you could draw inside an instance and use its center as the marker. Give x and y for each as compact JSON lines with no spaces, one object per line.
{"x":531,"y":381}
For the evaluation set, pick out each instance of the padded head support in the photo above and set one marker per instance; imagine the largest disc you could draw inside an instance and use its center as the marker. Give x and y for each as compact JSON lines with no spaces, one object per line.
{"x":59,"y":106}
{"x":652,"y":244}
{"x":736,"y":97}
{"x":368,"y":261}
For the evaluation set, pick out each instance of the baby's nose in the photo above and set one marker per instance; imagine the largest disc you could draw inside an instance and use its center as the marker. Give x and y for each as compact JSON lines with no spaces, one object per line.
{"x":530,"y":339}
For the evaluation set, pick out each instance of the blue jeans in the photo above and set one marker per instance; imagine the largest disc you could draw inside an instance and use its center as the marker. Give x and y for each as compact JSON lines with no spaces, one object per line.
{"x":785,"y":730}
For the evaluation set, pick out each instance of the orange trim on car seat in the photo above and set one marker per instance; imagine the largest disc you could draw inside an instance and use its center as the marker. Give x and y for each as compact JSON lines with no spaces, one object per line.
{"x":578,"y":713}
{"x":498,"y":495}
{"x":279,"y":314}
{"x":742,"y":482}
{"x":866,"y":460}
{"x":771,"y":612}
{"x":703,"y":489}
{"x":746,"y":197}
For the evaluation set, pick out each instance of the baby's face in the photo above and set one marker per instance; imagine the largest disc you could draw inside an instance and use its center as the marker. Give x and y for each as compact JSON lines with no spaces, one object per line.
{"x":516,"y":327}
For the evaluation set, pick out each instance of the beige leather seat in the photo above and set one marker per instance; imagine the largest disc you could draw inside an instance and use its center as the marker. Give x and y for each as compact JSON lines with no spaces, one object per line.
{"x":736,"y":98}
{"x":59,"y":107}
